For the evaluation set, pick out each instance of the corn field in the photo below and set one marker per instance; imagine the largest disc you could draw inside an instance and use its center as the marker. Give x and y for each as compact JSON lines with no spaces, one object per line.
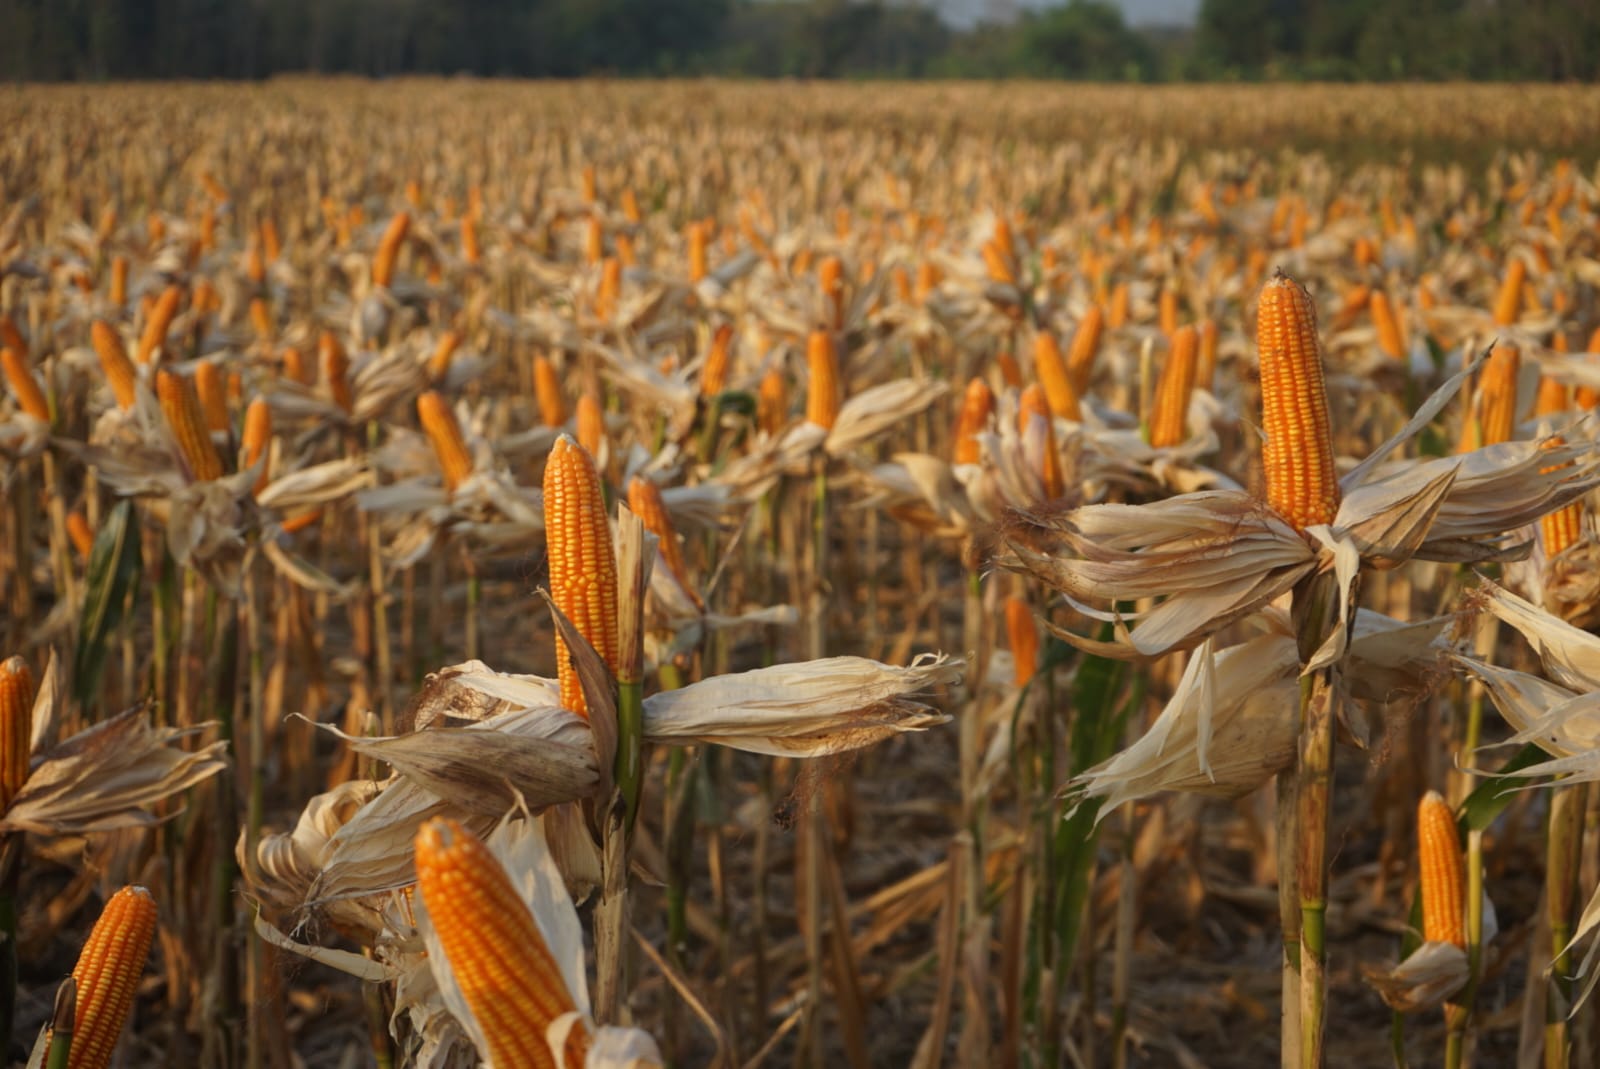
{"x":698,"y":574}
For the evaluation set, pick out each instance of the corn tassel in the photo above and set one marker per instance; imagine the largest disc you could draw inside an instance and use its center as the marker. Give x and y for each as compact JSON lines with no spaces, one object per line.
{"x":16,"y":727}
{"x":1051,"y":370}
{"x":1302,"y":485}
{"x":1443,"y":875}
{"x":822,"y":392}
{"x":494,"y":948}
{"x":1169,"y":422}
{"x":977,"y":405}
{"x":181,"y":405}
{"x":30,"y":398}
{"x":583,"y":566}
{"x":439,"y":422}
{"x":108,"y":972}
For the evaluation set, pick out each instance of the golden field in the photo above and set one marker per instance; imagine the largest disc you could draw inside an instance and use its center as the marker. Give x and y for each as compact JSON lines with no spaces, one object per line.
{"x":629,"y":573}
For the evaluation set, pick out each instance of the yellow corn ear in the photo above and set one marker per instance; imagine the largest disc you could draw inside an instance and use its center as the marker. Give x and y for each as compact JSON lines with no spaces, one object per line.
{"x":977,"y":405}
{"x":114,"y":362}
{"x":714,"y":372}
{"x":78,"y":531}
{"x":383,"y":261}
{"x":30,"y":398}
{"x":822,"y":391}
{"x":547,"y":391}
{"x":772,"y":401}
{"x":589,"y":424}
{"x":496,"y":953}
{"x":1085,"y":347}
{"x":256,"y":438}
{"x":644,"y":499}
{"x":181,"y":405}
{"x":1442,"y":871}
{"x":336,"y":370}
{"x":609,"y":290}
{"x":1167,"y":311}
{"x":160,"y":319}
{"x":443,"y":353}
{"x":439,"y":423}
{"x":471,"y":251}
{"x":830,"y":279}
{"x":1497,"y":396}
{"x":1033,"y":406}
{"x":1117,"y":309}
{"x":1169,"y":421}
{"x":699,"y":238}
{"x":1010,"y":370}
{"x":1390,"y":340}
{"x":107,"y":973}
{"x":119,"y":280}
{"x":1508,"y":305}
{"x":1302,"y":485}
{"x":998,"y":264}
{"x":10,"y":336}
{"x":1051,"y":370}
{"x":16,"y":727}
{"x":1205,"y":374}
{"x":594,"y":241}
{"x":213,"y":394}
{"x":1023,"y":635}
{"x":583,"y":565}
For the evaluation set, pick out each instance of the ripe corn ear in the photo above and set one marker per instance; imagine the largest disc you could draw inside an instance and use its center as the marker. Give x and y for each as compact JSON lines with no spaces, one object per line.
{"x":19,"y":376}
{"x":181,"y":405}
{"x":1168,"y":422}
{"x":1051,"y":370}
{"x":583,"y":566}
{"x":1302,"y":485}
{"x":108,"y":972}
{"x":822,"y":391}
{"x":114,"y":362}
{"x":977,"y":405}
{"x":1443,"y":876}
{"x":16,"y":727}
{"x":439,"y":423}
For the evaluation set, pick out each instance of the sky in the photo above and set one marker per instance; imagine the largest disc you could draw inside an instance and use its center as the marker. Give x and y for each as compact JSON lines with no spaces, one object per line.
{"x":1138,"y":12}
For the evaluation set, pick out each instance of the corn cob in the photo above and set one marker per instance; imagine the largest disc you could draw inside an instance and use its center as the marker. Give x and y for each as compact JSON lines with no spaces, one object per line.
{"x":822,"y":391}
{"x":471,"y":251}
{"x":830,"y":279}
{"x":271,"y":248}
{"x":977,"y":405}
{"x":78,"y":531}
{"x":1302,"y":485}
{"x":1168,"y":422}
{"x":212,"y":392}
{"x":1051,"y":370}
{"x":335,"y":370}
{"x":1508,"y":305}
{"x":594,"y":241}
{"x":610,"y":288}
{"x":16,"y":727}
{"x":1390,"y":341}
{"x":257,"y":436}
{"x":1010,"y":370}
{"x":119,"y":280}
{"x":1443,"y":876}
{"x":181,"y":405}
{"x":630,"y":206}
{"x":927,"y":281}
{"x":644,"y":499}
{"x":1085,"y":347}
{"x":698,"y":239}
{"x":589,"y":424}
{"x":1167,"y":310}
{"x":107,"y":973}
{"x":1497,"y":396}
{"x":296,"y":368}
{"x":583,"y":566}
{"x":998,"y":264}
{"x":443,"y":353}
{"x":383,"y":261}
{"x":1117,"y":309}
{"x":772,"y":401}
{"x":714,"y":372}
{"x":547,"y":389}
{"x":30,"y":398}
{"x":439,"y":423}
{"x":494,"y":948}
{"x":155,"y":327}
{"x":1205,"y":373}
{"x":255,"y":268}
{"x":1031,"y":406}
{"x":114,"y":362}
{"x":1560,"y":529}
{"x":1023,"y":635}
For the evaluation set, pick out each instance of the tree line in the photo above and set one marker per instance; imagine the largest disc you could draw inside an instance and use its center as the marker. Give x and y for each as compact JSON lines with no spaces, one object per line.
{"x":1082,"y":39}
